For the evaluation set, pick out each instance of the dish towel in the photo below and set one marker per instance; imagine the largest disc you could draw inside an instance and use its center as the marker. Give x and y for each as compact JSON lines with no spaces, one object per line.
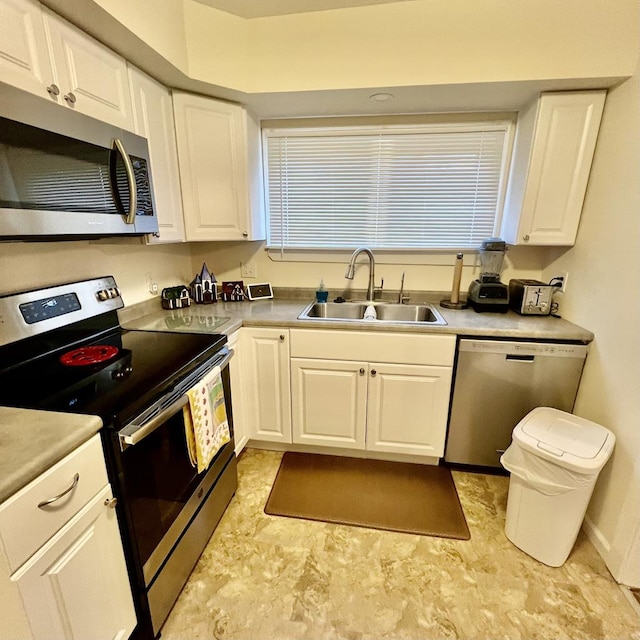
{"x":205,"y":420}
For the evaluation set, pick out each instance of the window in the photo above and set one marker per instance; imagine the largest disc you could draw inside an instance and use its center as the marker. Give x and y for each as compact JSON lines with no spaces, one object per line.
{"x":417,"y":187}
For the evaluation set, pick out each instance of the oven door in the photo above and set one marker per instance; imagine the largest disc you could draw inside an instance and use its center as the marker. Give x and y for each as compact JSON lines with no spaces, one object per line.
{"x":160,"y":488}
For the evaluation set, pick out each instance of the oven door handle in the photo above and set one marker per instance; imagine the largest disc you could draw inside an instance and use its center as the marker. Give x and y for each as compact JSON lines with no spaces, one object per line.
{"x":134,"y":433}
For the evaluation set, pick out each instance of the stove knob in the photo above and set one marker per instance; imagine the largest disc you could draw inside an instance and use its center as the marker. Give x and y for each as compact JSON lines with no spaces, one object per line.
{"x":103,"y":294}
{"x":114,"y":292}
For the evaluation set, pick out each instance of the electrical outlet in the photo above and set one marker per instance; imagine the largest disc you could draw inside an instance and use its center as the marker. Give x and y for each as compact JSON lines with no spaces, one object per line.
{"x":248,"y":270}
{"x":152,"y":285}
{"x":560,"y":281}
{"x":565,"y":276}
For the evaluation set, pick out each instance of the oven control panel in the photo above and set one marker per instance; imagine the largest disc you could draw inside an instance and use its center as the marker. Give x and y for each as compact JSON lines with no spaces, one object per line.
{"x":29,"y":313}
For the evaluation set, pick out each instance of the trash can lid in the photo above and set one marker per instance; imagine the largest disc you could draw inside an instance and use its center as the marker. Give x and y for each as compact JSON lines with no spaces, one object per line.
{"x":568,"y":440}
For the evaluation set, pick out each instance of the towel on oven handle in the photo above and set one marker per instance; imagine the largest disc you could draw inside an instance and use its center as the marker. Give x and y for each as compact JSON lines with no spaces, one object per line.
{"x":205,"y":420}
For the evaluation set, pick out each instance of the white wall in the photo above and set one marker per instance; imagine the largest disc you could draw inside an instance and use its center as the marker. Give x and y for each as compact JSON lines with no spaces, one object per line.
{"x":426,"y":42}
{"x":31,"y":265}
{"x":422,"y":274}
{"x":603,"y":294}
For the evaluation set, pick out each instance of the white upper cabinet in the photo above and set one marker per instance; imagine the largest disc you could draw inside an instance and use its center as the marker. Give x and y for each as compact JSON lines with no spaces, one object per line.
{"x":24,"y":55}
{"x":92,"y":79}
{"x":218,"y":150}
{"x":45,"y":55}
{"x":153,"y":118}
{"x":554,"y":147}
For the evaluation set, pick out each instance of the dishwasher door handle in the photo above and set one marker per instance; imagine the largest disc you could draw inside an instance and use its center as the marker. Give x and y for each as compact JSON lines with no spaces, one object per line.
{"x":515,"y":357}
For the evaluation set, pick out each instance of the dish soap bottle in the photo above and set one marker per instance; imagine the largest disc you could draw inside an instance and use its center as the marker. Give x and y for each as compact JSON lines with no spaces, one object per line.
{"x":321,"y":293}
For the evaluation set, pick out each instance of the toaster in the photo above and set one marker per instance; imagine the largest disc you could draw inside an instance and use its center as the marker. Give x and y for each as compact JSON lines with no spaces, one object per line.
{"x":530,"y":297}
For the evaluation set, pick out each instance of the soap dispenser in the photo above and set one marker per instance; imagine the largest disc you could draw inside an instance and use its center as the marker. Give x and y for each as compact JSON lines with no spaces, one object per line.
{"x":321,"y":293}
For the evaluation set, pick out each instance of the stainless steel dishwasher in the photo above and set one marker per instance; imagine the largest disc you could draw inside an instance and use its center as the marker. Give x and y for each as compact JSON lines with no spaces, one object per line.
{"x":496,"y":384}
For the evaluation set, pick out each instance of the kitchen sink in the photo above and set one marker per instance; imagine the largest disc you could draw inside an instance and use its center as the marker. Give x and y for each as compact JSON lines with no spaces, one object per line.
{"x":386,"y":312}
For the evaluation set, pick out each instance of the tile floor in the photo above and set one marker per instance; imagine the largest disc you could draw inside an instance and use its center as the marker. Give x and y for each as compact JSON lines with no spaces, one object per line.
{"x":265,"y":577}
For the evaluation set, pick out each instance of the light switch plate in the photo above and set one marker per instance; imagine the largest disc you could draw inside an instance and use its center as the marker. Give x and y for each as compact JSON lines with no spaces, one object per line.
{"x":260,"y":291}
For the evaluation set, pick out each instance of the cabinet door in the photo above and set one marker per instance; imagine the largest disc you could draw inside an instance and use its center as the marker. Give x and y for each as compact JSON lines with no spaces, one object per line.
{"x":216,"y":170}
{"x":329,"y":399}
{"x":24,"y":55}
{"x":92,"y":79}
{"x":267,"y":389}
{"x":236,"y":371}
{"x":407,"y":408}
{"x":554,"y":150}
{"x":153,"y":118}
{"x":76,"y":586}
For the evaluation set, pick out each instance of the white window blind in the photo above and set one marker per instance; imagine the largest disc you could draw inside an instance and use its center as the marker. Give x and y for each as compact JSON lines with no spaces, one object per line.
{"x":428,"y":187}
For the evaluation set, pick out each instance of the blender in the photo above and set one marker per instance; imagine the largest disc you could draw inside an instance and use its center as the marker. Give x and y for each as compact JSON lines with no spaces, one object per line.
{"x":487,"y":293}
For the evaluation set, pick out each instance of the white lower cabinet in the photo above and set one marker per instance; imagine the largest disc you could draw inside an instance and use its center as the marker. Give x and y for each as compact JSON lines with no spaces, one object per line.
{"x":394,"y":401}
{"x":329,"y":400}
{"x":407,"y":409}
{"x":63,"y":568}
{"x":266,"y":384}
{"x":76,"y":586}
{"x":236,"y":373}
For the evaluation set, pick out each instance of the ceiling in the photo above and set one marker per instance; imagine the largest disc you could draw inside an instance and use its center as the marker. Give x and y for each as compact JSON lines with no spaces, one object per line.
{"x":267,"y":8}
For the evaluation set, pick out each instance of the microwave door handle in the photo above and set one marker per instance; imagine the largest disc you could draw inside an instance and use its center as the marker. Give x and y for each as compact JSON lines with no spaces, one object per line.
{"x":134,"y":433}
{"x":130,"y":215}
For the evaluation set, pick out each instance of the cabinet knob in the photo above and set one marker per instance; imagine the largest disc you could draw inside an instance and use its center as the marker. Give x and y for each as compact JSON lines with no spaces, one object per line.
{"x":526,"y":238}
{"x":282,"y":337}
{"x":373,"y":373}
{"x":53,"y":90}
{"x":245,"y":234}
{"x":111,"y":503}
{"x":70,"y":98}
{"x":361,"y":371}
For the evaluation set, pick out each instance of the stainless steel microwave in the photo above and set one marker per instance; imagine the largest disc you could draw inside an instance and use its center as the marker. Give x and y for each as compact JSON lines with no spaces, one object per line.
{"x":64,"y":175}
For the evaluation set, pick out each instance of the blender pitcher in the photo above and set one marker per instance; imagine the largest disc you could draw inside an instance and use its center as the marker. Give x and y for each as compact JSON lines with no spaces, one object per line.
{"x":491,"y":259}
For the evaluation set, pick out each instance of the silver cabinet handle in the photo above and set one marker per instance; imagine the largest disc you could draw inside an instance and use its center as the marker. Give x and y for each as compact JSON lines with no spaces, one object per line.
{"x":70,"y":98}
{"x":53,"y":90}
{"x":118,"y":148}
{"x":526,"y":238}
{"x":74,"y":484}
{"x":111,"y":503}
{"x":282,"y":337}
{"x":361,"y":371}
{"x":373,"y":373}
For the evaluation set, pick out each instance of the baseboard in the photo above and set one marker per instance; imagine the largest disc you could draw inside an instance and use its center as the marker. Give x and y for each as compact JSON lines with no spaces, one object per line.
{"x":336,"y":451}
{"x":597,"y":538}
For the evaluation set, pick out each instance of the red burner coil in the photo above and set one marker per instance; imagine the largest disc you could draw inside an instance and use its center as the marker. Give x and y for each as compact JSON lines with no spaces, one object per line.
{"x":86,"y":356}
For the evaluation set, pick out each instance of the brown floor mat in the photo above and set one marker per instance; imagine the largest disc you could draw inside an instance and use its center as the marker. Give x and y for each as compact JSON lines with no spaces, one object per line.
{"x":396,"y":496}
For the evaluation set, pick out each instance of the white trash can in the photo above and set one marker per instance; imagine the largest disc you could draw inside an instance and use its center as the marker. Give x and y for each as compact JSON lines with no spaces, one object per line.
{"x":554,"y":460}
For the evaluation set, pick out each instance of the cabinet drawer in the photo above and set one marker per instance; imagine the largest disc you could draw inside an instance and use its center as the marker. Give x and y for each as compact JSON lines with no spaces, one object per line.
{"x":399,"y":348}
{"x":25,"y":527}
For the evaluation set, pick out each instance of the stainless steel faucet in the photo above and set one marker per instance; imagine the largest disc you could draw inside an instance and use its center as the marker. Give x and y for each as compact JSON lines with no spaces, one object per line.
{"x":372,"y":266}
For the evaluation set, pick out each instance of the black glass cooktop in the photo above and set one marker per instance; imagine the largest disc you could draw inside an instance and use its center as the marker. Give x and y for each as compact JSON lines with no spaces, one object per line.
{"x":137,"y":367}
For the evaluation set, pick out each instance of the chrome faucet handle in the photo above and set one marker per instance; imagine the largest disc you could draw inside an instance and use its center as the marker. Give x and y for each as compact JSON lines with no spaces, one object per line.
{"x":378,"y":289}
{"x":402,"y":297}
